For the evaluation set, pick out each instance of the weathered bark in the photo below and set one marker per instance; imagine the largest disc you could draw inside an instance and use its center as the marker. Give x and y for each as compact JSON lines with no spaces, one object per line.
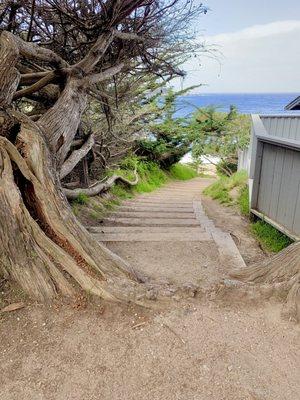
{"x":76,"y":156}
{"x":43,"y":247}
{"x":99,"y":187}
{"x":277,"y":276}
{"x":10,"y":77}
{"x":36,"y":86}
{"x":60,"y":122}
{"x":84,"y":173}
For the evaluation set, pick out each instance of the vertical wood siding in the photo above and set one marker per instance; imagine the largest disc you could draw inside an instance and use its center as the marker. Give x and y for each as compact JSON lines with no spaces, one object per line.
{"x":279,"y":194}
{"x":275,"y":176}
{"x":282,"y":126}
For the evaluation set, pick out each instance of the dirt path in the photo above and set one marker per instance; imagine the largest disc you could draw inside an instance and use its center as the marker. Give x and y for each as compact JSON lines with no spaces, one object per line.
{"x":199,"y":349}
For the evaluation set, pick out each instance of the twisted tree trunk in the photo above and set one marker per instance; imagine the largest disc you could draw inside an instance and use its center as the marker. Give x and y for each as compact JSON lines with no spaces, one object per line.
{"x":42,"y":245}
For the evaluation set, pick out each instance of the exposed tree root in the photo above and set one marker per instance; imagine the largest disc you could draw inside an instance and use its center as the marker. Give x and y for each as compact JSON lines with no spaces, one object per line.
{"x":278,"y":276}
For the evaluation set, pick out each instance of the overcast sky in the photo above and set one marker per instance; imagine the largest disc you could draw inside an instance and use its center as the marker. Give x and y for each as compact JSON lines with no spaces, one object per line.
{"x":258,"y":43}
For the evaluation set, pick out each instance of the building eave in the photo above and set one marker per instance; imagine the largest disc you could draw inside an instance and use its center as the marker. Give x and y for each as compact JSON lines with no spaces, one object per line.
{"x":293,"y":105}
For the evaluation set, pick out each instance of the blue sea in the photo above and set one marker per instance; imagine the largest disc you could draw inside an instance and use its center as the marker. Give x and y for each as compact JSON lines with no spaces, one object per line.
{"x":266,"y":103}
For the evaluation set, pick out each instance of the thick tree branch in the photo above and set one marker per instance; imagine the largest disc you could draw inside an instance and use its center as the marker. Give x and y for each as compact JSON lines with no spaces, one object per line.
{"x":36,"y":86}
{"x":100,"y":187}
{"x":60,"y":122}
{"x":33,"y":51}
{"x":102,"y":76}
{"x":95,"y":54}
{"x":76,"y":156}
{"x":128,"y":36}
{"x":10,"y":76}
{"x":32,"y":77}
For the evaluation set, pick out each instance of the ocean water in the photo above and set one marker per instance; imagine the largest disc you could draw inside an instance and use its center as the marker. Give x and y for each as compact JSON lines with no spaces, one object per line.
{"x":260,"y":103}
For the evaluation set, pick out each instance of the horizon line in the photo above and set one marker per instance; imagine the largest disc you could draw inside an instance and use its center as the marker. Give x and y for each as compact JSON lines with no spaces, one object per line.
{"x":199,"y":93}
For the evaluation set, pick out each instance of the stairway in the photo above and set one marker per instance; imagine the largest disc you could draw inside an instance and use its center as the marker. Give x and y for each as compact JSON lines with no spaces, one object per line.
{"x":160,"y":223}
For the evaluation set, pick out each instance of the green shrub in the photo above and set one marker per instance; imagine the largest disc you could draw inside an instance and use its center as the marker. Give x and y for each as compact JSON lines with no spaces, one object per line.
{"x":182,"y":172}
{"x":226,"y":165}
{"x":269,"y":237}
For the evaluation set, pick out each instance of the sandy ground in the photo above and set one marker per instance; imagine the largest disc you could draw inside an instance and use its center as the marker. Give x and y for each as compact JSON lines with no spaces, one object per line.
{"x":194,"y":261}
{"x":198,"y":349}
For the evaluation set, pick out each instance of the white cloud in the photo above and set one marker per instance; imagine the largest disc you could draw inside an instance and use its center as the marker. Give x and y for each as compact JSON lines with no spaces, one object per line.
{"x":261,"y":58}
{"x":257,"y":32}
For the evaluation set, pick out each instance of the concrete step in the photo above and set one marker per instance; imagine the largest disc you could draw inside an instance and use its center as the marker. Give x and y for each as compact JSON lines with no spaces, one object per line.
{"x":155,"y":208}
{"x":147,"y":214}
{"x":146,"y":229}
{"x":228,"y":251}
{"x":168,"y":198}
{"x":153,"y":237}
{"x":154,"y":202}
{"x":172,"y":193}
{"x":151,"y":221}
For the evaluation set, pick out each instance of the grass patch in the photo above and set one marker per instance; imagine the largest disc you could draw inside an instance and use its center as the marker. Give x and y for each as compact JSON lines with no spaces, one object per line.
{"x":269,"y":237}
{"x":243,"y":200}
{"x":121,"y":192}
{"x":81,"y":199}
{"x":182,"y":172}
{"x":110,"y":204}
{"x":75,"y":209}
{"x":96,"y":215}
{"x":238,"y":179}
{"x":151,"y":177}
{"x":220,"y":190}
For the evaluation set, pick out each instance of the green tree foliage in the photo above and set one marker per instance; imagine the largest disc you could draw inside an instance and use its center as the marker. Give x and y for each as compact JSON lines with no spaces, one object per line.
{"x":169,"y":137}
{"x":220,"y":135}
{"x":205,"y":133}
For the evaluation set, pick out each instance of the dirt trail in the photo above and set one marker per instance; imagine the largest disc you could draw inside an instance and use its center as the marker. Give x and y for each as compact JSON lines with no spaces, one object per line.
{"x":199,"y":349}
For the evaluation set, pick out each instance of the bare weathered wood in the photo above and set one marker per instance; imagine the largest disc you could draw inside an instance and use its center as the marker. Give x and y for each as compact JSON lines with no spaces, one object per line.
{"x":84,"y":175}
{"x":60,"y":122}
{"x":9,"y":76}
{"x":56,"y":237}
{"x":99,"y":187}
{"x":45,"y":80}
{"x":76,"y":156}
{"x":32,"y":51}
